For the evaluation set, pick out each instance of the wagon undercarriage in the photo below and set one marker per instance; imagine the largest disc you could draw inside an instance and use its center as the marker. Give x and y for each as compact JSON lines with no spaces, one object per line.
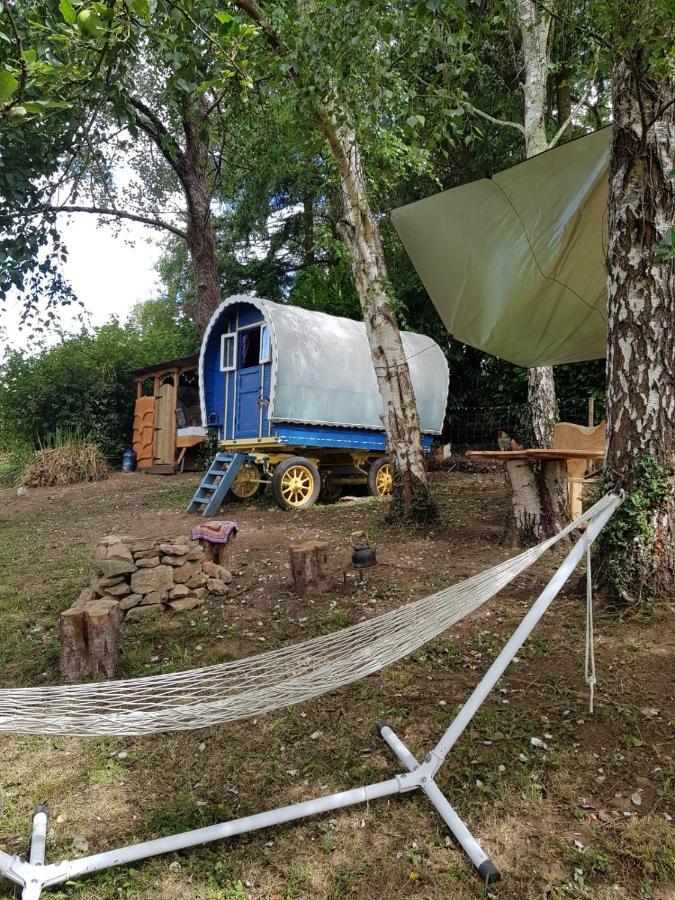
{"x":298,"y":478}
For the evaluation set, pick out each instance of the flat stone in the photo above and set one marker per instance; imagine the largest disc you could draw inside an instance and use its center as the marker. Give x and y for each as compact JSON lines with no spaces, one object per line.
{"x":144,"y":554}
{"x":197,"y":581}
{"x":195,"y":553}
{"x":87,"y":595}
{"x":142,"y":546}
{"x":147,"y":562}
{"x":101,"y":606}
{"x":178,"y":592}
{"x":213,"y":570}
{"x":138,"y":613}
{"x":109,"y":582}
{"x":118,"y":590}
{"x":186,"y":603}
{"x":174,"y":561}
{"x":130,"y":601}
{"x":200,"y":592}
{"x":146,"y":580}
{"x":174,"y":549}
{"x":184,"y":573}
{"x":216,"y":586}
{"x":154,"y":597}
{"x":118,"y":561}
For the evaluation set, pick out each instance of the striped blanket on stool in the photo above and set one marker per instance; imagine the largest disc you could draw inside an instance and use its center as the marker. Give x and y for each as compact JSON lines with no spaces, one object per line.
{"x":215,"y":532}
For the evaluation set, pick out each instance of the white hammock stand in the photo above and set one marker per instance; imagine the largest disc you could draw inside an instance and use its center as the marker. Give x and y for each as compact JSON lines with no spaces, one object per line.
{"x":55,"y":711}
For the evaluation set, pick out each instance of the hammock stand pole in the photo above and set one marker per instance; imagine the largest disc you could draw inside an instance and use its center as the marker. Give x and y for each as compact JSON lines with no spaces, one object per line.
{"x":34,"y":875}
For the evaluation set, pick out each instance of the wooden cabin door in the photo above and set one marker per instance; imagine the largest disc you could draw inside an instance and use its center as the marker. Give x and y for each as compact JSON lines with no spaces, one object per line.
{"x":165,"y":425}
{"x":143,"y":440}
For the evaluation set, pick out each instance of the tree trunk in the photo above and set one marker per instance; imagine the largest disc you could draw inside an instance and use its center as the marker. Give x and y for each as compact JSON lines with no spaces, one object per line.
{"x":638,"y":559}
{"x":200,"y":239}
{"x":538,"y":505}
{"x":411,"y":498}
{"x":535,"y":27}
{"x":541,"y":397}
{"x":362,"y":236}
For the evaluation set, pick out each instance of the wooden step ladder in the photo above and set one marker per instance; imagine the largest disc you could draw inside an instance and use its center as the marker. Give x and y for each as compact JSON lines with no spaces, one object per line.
{"x":215,"y":484}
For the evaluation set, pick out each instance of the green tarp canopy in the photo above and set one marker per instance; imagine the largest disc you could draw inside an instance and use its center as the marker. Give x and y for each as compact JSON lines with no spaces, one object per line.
{"x":515,"y":264}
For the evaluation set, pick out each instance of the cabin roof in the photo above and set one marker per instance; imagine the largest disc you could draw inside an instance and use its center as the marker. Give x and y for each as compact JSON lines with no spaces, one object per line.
{"x":322,"y":368}
{"x":183,"y":362}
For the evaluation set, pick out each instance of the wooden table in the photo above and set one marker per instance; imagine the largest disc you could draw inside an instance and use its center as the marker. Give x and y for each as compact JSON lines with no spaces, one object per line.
{"x":541,"y":501}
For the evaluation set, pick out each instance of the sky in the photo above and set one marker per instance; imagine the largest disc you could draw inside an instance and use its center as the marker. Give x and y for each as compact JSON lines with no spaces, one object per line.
{"x":108,"y":274}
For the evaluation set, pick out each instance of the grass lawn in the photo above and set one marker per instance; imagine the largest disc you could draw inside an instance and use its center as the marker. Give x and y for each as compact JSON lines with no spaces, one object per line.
{"x":586,"y":816}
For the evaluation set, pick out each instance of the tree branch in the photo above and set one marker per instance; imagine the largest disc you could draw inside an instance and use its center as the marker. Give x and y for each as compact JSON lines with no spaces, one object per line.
{"x":105,"y":211}
{"x":659,"y":112}
{"x":563,"y":128}
{"x":162,"y":137}
{"x":502,"y":122}
{"x":254,"y":12}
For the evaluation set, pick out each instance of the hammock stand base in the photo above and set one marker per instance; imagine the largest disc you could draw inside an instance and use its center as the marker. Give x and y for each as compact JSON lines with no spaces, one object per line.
{"x":34,"y":875}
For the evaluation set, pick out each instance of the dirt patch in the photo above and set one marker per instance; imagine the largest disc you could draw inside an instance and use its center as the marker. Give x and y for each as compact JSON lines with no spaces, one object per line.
{"x":560,"y":820}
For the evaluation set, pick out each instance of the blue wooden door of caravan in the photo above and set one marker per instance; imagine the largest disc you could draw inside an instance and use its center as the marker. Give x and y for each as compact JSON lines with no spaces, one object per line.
{"x":247,"y":421}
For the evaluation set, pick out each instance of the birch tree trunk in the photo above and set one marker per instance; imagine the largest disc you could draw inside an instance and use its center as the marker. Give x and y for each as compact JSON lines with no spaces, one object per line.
{"x":641,"y":329}
{"x":361,"y":234}
{"x":535,"y":27}
{"x":411,"y":499}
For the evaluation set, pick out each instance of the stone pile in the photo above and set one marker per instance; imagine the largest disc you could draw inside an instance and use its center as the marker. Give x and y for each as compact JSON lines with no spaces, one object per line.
{"x":134,"y":580}
{"x":146,"y":577}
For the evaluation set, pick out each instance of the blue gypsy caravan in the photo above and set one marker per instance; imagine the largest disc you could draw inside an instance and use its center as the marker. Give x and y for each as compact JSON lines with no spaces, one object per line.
{"x":292,"y":396}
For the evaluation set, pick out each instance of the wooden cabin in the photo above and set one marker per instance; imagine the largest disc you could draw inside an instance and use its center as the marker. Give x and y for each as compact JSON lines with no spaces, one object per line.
{"x":167,"y":415}
{"x":280,"y":382}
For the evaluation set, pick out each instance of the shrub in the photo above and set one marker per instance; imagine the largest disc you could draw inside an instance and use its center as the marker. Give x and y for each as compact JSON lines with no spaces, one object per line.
{"x":85,"y":382}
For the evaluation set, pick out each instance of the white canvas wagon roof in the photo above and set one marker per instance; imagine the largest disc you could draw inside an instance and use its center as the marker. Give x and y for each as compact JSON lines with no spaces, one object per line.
{"x":322,"y":369}
{"x":515,"y":264}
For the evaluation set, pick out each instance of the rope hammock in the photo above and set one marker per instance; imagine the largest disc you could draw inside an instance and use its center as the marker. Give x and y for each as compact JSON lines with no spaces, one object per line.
{"x":249,"y":687}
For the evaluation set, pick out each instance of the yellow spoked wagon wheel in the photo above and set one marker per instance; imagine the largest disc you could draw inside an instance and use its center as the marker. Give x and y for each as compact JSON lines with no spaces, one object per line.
{"x":247,"y":483}
{"x":296,"y":483}
{"x":381,"y":478}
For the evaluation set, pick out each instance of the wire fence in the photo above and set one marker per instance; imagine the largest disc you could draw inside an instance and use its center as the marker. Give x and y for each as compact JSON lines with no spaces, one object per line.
{"x":480,"y":427}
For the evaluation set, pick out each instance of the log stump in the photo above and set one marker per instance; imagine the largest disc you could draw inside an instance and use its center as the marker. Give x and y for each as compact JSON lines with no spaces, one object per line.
{"x":72,"y":635}
{"x":309,"y":568}
{"x":221,"y":554}
{"x":538,"y":500}
{"x":90,"y":641}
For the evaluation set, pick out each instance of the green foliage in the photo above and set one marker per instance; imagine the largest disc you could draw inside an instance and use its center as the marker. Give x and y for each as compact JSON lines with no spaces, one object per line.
{"x":665,"y":249}
{"x":626,"y":545}
{"x":327,"y":289}
{"x":85,"y":381}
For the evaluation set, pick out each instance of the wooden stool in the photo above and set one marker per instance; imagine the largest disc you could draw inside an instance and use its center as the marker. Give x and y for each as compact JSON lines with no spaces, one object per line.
{"x":217,"y":537}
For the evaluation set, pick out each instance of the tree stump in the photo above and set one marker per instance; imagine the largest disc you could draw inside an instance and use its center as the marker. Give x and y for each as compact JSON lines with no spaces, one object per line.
{"x":73,"y":639}
{"x":103,"y":638}
{"x":221,"y":554}
{"x":89,"y":638}
{"x":538,"y":500}
{"x":309,"y":564}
